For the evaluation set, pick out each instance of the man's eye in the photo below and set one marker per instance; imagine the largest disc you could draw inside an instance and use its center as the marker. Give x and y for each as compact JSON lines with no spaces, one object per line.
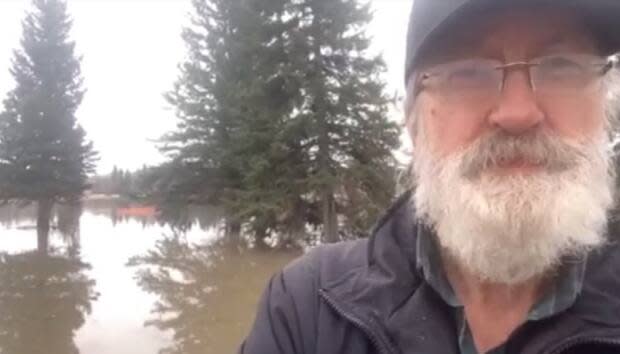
{"x":465,"y":73}
{"x":561,"y":66}
{"x":470,"y":76}
{"x":466,"y":69}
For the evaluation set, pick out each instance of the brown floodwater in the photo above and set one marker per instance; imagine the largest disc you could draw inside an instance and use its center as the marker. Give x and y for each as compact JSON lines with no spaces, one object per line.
{"x":116,"y":284}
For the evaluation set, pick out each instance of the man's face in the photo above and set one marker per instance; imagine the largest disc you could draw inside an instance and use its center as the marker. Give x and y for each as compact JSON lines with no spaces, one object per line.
{"x":514,"y":176}
{"x":451,"y":125}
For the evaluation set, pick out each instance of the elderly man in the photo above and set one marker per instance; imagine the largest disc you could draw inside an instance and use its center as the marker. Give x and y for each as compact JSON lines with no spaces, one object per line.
{"x":503,"y":245}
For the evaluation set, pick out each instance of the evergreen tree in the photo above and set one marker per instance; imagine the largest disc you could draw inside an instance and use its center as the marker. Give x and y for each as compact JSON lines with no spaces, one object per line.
{"x":345,"y":109}
{"x":269,"y":140}
{"x":283,"y":117}
{"x":44,"y":155}
{"x":200,"y":144}
{"x":226,"y":109}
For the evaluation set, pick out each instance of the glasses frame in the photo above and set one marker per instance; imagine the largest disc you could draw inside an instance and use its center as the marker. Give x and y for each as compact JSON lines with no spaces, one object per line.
{"x":605,"y":65}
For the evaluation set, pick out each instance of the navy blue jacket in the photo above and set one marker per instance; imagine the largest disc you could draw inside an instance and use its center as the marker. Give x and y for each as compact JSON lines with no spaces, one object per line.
{"x":367,"y":296}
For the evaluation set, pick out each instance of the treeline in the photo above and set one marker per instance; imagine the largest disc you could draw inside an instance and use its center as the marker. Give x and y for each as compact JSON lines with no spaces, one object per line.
{"x":126,"y":183}
{"x":282,"y":120}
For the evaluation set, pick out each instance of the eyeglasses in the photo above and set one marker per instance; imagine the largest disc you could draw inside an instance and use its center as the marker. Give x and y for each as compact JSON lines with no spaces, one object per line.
{"x":470,"y":80}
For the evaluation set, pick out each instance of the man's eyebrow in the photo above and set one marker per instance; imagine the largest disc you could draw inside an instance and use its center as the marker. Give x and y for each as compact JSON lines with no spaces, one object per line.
{"x":556,"y":40}
{"x":562,"y":38}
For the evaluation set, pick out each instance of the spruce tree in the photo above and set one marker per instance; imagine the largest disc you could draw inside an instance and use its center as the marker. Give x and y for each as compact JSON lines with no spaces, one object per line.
{"x":44,"y":155}
{"x":270,"y":139}
{"x":202,"y":97}
{"x":283,"y":118}
{"x":231,"y":101}
{"x":345,"y":109}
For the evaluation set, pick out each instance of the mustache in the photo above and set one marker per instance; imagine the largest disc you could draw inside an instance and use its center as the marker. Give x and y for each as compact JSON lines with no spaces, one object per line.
{"x":539,"y":148}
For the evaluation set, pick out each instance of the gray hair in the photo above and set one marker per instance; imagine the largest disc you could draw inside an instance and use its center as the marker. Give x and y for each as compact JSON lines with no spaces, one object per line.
{"x":611,"y":87}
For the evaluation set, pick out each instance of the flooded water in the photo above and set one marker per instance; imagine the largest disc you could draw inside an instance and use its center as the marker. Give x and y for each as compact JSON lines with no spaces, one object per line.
{"x":114,"y":283}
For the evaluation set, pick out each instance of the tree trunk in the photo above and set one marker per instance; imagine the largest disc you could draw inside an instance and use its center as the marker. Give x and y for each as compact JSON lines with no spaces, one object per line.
{"x":259,"y":240}
{"x":330,"y":227}
{"x":233,"y":232}
{"x":44,"y":213}
{"x":330,"y":224}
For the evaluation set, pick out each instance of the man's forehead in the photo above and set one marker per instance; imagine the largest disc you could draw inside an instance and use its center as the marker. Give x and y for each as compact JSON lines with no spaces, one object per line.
{"x":538,"y":29}
{"x":530,"y":29}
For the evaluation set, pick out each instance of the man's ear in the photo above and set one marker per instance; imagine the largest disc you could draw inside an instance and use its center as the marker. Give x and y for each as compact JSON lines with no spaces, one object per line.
{"x":411,"y":120}
{"x":410,"y":108}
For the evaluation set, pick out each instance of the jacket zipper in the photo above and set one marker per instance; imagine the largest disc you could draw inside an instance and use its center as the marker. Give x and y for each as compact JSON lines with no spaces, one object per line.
{"x":583,"y":340}
{"x":374,"y":338}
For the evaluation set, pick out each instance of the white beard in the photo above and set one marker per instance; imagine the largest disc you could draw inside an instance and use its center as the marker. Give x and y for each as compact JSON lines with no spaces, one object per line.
{"x":510,"y":228}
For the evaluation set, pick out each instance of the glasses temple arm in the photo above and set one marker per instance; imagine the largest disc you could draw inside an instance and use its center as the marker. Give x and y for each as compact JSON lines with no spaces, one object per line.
{"x":612,"y":61}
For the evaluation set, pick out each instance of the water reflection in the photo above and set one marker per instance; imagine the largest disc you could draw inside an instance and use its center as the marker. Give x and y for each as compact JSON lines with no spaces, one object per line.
{"x":15,"y":215}
{"x":43,"y":301}
{"x":180,"y":218}
{"x":122,"y":211}
{"x":184,"y":292}
{"x":65,"y":222}
{"x":207,"y":292}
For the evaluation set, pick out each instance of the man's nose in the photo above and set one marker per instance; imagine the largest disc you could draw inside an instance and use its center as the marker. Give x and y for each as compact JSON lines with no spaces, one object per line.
{"x":517,"y":110}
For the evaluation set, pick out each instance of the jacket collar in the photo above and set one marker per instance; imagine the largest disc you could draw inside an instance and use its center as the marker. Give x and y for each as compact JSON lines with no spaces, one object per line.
{"x":391,"y":295}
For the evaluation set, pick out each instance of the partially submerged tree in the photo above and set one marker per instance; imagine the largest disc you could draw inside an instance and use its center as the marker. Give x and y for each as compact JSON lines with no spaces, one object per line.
{"x":44,"y":155}
{"x":283,"y":118}
{"x":349,"y":138}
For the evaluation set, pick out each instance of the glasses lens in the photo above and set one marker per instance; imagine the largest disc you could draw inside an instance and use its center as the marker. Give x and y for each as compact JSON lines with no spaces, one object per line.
{"x":565,"y":74}
{"x":471,"y":79}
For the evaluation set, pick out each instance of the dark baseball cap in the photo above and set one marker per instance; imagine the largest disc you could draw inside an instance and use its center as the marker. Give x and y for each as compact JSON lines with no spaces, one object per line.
{"x":430,"y":19}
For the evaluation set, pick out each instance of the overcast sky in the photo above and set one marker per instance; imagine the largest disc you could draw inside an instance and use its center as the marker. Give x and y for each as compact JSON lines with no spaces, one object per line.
{"x":130,"y":51}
